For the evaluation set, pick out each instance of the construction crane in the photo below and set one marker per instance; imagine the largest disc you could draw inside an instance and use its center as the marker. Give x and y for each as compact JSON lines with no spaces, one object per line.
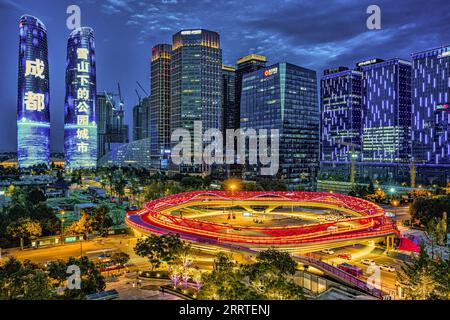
{"x":353,"y":157}
{"x":139,"y":97}
{"x":120,"y":96}
{"x":142,"y":88}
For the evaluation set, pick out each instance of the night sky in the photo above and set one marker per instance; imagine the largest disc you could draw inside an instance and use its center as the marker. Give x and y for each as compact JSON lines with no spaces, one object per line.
{"x":314,"y":34}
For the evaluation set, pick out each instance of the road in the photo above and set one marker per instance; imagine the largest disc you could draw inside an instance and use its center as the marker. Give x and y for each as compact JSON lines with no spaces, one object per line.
{"x":360,"y":252}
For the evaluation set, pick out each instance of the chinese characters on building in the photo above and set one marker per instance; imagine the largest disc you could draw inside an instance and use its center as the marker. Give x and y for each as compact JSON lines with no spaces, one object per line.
{"x":34,"y":101}
{"x":82,"y":100}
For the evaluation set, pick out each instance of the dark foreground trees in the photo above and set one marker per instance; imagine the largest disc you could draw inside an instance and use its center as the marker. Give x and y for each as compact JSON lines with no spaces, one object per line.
{"x":271,"y":277}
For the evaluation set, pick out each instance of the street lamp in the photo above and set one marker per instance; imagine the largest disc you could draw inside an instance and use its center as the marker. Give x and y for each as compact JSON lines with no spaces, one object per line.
{"x":62,"y":226}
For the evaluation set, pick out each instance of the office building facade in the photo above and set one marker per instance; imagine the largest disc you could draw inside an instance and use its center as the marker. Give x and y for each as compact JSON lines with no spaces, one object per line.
{"x":159,"y":112}
{"x":80,"y":125}
{"x":340,"y":96}
{"x":431,"y":114}
{"x":229,"y":97}
{"x":140,"y":120}
{"x":196,"y":84}
{"x":284,"y":97}
{"x":33,"y":100}
{"x":386,"y":116}
{"x":247,"y":64}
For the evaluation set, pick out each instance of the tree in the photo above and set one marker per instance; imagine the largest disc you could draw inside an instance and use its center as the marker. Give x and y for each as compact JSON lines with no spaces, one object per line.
{"x":416,"y":277}
{"x":159,"y":249}
{"x":83,"y":226}
{"x":426,"y":209}
{"x":25,"y":228}
{"x":268,"y":278}
{"x":24,"y":281}
{"x":101,"y":221}
{"x":91,"y":279}
{"x":280,"y":261}
{"x":120,"y":258}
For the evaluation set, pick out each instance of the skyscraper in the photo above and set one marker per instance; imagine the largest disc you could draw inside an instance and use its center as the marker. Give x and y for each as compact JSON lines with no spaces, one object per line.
{"x":196,"y":83}
{"x":104,"y":110}
{"x":386,"y":116}
{"x":80,"y":129}
{"x":247,"y":64}
{"x":431,"y":113}
{"x":33,"y":100}
{"x":283,"y":96}
{"x":112,"y":132}
{"x":229,"y":97}
{"x":140,"y":120}
{"x":159,"y":113}
{"x":341,"y":120}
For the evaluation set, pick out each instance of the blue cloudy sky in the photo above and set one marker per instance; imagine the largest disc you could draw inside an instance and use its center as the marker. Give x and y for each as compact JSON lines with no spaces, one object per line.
{"x":315,"y":34}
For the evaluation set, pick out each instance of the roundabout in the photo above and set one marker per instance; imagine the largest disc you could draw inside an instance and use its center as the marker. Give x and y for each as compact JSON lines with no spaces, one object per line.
{"x":264,"y":219}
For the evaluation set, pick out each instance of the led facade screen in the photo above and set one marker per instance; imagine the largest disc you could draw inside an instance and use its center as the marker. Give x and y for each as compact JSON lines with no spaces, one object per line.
{"x":80,"y":130}
{"x":33,"y":103}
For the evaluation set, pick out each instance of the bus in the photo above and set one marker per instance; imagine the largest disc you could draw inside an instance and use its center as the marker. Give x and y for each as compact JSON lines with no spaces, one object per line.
{"x":351,"y":269}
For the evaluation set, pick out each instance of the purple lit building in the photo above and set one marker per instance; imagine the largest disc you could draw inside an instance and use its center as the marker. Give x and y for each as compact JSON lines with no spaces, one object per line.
{"x":431,"y":114}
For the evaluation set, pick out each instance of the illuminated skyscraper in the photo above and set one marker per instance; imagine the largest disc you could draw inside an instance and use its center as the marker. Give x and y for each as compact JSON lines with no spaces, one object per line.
{"x":386,"y":116}
{"x":159,"y":114}
{"x":283,"y":96}
{"x":247,"y":64}
{"x":196,"y":83}
{"x":80,"y":130}
{"x":341,"y":121}
{"x":431,"y":113}
{"x":229,"y":97}
{"x":33,"y":101}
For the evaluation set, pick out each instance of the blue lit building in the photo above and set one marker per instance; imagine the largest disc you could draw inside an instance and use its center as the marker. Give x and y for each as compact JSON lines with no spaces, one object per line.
{"x":80,"y":126}
{"x":431,"y":114}
{"x":283,"y":96}
{"x":33,"y":101}
{"x":386,"y":118}
{"x":340,"y":96}
{"x":341,"y":114}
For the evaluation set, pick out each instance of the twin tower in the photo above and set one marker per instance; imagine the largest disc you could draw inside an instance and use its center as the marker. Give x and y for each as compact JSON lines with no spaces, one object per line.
{"x":33,"y":104}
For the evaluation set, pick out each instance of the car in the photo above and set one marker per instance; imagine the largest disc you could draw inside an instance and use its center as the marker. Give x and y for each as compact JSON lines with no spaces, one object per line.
{"x":388,"y":268}
{"x":368,"y":262}
{"x":346,"y":256}
{"x":327,"y":251}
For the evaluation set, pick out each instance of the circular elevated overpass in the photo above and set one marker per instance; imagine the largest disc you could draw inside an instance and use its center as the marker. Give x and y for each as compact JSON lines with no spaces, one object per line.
{"x":264,"y":219}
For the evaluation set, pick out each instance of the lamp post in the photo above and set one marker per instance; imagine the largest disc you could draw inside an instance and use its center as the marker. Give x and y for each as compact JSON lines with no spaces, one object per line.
{"x":62,"y":226}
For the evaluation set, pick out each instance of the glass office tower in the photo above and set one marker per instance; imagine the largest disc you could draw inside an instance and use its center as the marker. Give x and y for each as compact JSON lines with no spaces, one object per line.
{"x":229,"y":97}
{"x":340,"y":95}
{"x":196,"y":83}
{"x":431,"y":114}
{"x":80,"y":129}
{"x":159,"y":114}
{"x":284,"y":97}
{"x":33,"y":99}
{"x":247,"y":64}
{"x":386,"y":116}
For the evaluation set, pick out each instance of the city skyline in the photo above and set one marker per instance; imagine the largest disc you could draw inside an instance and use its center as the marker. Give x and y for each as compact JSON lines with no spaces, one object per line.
{"x":327,"y":45}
